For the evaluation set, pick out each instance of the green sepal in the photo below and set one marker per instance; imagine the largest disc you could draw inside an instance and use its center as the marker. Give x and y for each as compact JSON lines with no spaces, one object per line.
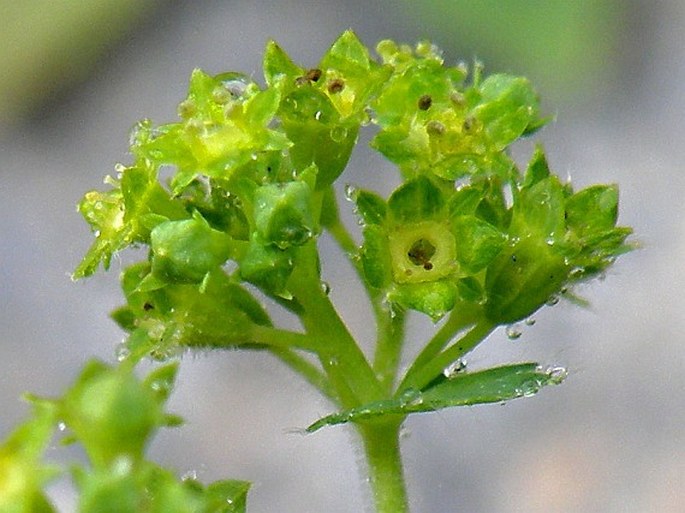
{"x":538,"y":168}
{"x":348,"y":55}
{"x":508,"y":106}
{"x":185,"y":251}
{"x":471,"y":290}
{"x":540,"y":210}
{"x":375,"y":256}
{"x":478,"y":242}
{"x":434,"y":298}
{"x":350,"y":78}
{"x":268,"y":267}
{"x":522,"y":278}
{"x":370,"y":207}
{"x":465,"y":200}
{"x":592,"y":210}
{"x":278,"y":66}
{"x":494,"y":385}
{"x":161,"y":381}
{"x":415,"y":201}
{"x":227,"y":496}
{"x":320,"y":136}
{"x":283,"y":214}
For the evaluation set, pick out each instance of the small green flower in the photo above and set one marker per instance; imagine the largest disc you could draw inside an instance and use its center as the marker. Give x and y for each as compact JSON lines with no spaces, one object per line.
{"x":419,"y":250}
{"x":432,"y":245}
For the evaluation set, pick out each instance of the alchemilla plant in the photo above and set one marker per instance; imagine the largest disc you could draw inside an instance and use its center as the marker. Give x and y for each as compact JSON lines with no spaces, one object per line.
{"x":468,"y":238}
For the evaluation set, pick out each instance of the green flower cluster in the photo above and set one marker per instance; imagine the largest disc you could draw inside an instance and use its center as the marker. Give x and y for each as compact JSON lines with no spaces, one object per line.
{"x":253,"y":169}
{"x":230,"y":201}
{"x":433,"y":244}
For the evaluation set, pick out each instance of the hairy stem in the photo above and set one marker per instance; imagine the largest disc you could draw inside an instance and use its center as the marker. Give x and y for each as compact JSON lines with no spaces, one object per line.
{"x":341,"y":357}
{"x":382,"y":450}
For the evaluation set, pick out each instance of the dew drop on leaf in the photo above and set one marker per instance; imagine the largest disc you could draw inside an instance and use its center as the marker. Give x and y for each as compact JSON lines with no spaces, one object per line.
{"x":454,"y":368}
{"x":557,"y":374}
{"x":553,"y":300}
{"x":513,"y":331}
{"x":190,"y":475}
{"x":325,"y":288}
{"x":122,"y":351}
{"x":351,"y":192}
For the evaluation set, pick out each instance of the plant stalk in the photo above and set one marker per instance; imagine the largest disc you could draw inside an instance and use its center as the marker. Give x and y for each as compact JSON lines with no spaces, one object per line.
{"x":381,"y":443}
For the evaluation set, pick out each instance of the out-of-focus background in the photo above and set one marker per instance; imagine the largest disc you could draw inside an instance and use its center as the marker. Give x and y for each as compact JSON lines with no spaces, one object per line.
{"x":76,"y":75}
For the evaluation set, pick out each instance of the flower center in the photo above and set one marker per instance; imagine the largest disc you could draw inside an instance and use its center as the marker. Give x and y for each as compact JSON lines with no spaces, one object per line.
{"x":421,"y":253}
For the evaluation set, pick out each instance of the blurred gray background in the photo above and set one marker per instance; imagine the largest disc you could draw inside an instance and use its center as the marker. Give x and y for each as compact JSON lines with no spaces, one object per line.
{"x":77,"y":74}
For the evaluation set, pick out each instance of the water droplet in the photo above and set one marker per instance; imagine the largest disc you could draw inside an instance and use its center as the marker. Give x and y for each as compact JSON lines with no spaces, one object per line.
{"x":513,"y":331}
{"x":553,"y":300}
{"x":122,"y":351}
{"x":338,"y":134}
{"x":325,"y":288}
{"x":529,"y":388}
{"x":235,"y":86}
{"x":530,"y":321}
{"x":190,"y":475}
{"x":454,"y":368}
{"x":96,"y":233}
{"x":410,"y":397}
{"x":557,"y":374}
{"x":351,"y":192}
{"x":317,"y":116}
{"x":61,"y":426}
{"x":221,"y":95}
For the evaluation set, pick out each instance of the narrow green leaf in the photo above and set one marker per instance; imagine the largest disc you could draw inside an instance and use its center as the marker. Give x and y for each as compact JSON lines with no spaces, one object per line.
{"x":488,"y":386}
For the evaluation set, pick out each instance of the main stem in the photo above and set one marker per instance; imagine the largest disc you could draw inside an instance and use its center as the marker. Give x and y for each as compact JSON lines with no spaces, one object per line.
{"x":382,"y":449}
